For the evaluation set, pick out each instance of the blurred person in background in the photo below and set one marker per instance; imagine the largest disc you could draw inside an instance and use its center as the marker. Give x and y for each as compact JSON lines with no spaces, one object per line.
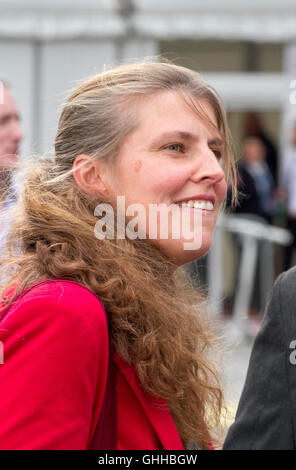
{"x":256,"y":202}
{"x":255,"y":128}
{"x":10,"y":130}
{"x":10,"y":137}
{"x":255,"y":181}
{"x":288,"y":192}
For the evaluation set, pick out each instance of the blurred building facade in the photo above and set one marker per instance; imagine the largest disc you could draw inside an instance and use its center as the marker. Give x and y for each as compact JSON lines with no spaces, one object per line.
{"x":243,"y":49}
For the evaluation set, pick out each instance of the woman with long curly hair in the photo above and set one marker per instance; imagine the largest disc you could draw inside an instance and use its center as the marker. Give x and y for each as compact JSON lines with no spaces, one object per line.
{"x":106,"y":344}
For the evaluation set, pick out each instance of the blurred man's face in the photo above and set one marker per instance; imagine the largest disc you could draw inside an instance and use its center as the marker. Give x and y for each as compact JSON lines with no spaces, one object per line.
{"x":253,"y":150}
{"x":10,"y":131}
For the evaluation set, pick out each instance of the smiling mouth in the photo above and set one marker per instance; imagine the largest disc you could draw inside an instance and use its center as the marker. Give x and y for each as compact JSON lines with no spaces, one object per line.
{"x":203,"y":205}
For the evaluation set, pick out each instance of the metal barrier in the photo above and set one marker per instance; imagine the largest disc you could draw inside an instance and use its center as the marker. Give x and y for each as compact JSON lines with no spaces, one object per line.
{"x":252,"y":231}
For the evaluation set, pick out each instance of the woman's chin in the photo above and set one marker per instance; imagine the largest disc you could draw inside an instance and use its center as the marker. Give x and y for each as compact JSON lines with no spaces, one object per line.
{"x":184,"y":251}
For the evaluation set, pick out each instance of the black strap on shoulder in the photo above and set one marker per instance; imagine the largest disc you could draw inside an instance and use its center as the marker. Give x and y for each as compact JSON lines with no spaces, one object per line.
{"x":105,"y":435}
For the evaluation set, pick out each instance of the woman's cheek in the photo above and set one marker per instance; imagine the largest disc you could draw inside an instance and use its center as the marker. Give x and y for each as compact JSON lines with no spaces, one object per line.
{"x":167,"y":183}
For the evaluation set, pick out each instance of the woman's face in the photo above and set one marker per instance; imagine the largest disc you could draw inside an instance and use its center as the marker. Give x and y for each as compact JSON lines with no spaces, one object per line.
{"x":171,"y":157}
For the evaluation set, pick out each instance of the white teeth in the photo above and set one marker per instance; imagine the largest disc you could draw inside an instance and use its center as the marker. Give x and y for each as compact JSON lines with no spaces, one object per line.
{"x":205,"y":205}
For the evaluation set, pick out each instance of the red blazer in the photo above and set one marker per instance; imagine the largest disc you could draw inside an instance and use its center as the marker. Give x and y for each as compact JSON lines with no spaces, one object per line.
{"x":53,"y":377}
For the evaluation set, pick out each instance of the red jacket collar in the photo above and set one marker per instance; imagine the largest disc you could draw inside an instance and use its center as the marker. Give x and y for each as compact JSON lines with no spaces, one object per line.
{"x":161,"y":421}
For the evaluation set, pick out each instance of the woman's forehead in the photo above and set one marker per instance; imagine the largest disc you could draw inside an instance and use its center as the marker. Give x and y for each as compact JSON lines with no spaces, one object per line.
{"x":169,"y":109}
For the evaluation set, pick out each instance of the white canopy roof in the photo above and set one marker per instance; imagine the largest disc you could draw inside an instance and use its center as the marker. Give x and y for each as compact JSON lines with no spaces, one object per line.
{"x":265,"y":20}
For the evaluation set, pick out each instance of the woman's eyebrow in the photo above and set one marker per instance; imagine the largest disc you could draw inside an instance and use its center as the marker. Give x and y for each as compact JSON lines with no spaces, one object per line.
{"x":184,"y":135}
{"x":217,"y":141}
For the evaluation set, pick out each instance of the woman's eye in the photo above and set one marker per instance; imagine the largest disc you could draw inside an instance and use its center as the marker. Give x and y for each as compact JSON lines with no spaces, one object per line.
{"x":5,"y":120}
{"x":217,"y":153}
{"x":175,"y":147}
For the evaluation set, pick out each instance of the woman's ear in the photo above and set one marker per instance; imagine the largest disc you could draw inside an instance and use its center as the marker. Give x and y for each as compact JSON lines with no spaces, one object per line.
{"x":88,"y":175}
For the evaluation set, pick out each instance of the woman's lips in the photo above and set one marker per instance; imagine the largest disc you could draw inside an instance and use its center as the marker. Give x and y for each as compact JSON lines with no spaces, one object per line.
{"x":202,"y":205}
{"x":199,"y":198}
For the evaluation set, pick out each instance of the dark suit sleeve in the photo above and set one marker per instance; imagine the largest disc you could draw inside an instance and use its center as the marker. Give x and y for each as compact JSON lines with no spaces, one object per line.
{"x":265,"y":417}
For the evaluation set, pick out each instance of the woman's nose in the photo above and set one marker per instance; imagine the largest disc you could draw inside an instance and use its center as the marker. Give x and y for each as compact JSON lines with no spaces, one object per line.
{"x":208,"y":167}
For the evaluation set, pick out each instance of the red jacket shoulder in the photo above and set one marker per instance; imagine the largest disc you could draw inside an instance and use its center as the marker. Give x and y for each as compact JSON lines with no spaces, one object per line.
{"x":55,"y":342}
{"x":65,"y":300}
